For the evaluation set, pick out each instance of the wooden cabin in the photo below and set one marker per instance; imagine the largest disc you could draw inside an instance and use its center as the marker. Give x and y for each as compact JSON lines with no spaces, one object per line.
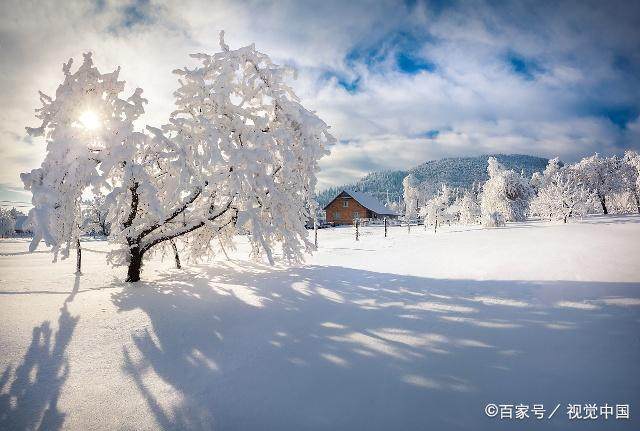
{"x":348,"y":206}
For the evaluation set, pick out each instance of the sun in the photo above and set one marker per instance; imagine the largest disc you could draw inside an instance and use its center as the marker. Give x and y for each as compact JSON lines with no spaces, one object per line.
{"x":89,"y":120}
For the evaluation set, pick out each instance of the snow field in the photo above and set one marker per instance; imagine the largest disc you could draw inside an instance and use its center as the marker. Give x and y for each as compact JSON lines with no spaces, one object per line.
{"x":415,"y":331}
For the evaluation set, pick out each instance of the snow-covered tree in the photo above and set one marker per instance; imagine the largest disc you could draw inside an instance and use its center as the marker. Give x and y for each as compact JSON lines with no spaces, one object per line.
{"x":562,"y":196}
{"x":539,"y":180}
{"x":602,"y":176}
{"x":94,"y":217}
{"x":88,"y":130}
{"x":411,"y":196}
{"x":15,"y":213}
{"x":536,"y":182}
{"x":632,"y":177}
{"x":395,"y":206}
{"x":506,"y":192}
{"x":239,"y":153}
{"x":7,"y":223}
{"x":623,"y":202}
{"x":468,"y":208}
{"x":435,"y":210}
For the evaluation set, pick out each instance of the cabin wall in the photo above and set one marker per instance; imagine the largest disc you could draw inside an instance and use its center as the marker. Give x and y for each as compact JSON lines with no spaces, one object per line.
{"x":337,"y":213}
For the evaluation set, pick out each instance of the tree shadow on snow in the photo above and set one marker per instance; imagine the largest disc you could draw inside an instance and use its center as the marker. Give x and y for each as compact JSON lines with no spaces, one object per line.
{"x":30,"y":401}
{"x":323,"y":347}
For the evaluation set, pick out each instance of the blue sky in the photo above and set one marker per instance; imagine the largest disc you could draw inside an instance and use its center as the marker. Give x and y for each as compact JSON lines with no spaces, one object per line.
{"x":399,"y":82}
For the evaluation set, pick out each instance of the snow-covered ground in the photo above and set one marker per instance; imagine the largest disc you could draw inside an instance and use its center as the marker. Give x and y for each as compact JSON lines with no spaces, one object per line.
{"x":413,"y":332}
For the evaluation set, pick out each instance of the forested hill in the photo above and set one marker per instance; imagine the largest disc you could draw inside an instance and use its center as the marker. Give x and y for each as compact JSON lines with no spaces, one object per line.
{"x":455,"y":172}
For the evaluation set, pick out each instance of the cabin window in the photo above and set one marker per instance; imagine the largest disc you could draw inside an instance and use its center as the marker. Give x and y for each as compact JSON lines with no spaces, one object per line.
{"x":356,"y":215}
{"x":345,"y":203}
{"x":336,"y":215}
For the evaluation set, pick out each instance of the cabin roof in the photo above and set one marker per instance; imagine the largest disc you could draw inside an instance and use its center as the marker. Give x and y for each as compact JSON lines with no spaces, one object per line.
{"x":367,"y":201}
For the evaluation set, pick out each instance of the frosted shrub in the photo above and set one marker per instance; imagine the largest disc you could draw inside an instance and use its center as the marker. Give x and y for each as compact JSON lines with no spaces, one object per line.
{"x":493,"y":219}
{"x":7,"y":223}
{"x":505,"y":192}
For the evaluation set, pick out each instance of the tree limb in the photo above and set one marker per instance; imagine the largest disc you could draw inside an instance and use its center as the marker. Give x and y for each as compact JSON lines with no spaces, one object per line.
{"x":187,"y":229}
{"x":196,"y":193}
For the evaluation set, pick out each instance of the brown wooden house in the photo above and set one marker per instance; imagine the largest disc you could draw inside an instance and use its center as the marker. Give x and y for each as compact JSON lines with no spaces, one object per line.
{"x":349,"y":206}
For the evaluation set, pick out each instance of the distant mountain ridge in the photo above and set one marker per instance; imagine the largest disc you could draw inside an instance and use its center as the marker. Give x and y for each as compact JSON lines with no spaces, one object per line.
{"x":452,"y":171}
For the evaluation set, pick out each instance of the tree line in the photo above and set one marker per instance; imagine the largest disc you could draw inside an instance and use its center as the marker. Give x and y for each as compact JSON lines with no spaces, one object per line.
{"x":595,"y":184}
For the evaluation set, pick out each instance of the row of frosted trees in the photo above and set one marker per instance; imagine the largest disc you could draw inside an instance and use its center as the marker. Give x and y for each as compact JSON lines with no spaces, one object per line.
{"x":595,"y":184}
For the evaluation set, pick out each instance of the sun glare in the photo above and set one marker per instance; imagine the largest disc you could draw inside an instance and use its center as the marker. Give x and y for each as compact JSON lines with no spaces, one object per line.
{"x":89,"y":120}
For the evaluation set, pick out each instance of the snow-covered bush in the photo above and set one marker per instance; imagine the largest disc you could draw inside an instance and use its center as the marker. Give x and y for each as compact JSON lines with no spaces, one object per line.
{"x":493,"y":219}
{"x":506,"y":192}
{"x":239,"y":153}
{"x":7,"y":223}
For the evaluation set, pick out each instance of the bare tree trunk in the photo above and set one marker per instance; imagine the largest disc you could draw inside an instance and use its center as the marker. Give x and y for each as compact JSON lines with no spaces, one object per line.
{"x":106,"y":229}
{"x":435,"y":226}
{"x":357,"y":230}
{"x":135,"y":252}
{"x":385,"y":227}
{"x":78,"y":257}
{"x":138,"y":245}
{"x":223,"y":249}
{"x":176,"y":256}
{"x":315,"y":233}
{"x":570,"y":213}
{"x":604,"y":204}
{"x":135,"y":263}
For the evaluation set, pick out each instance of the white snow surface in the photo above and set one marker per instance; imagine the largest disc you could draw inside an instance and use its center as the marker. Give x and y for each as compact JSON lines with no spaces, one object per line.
{"x":413,"y":332}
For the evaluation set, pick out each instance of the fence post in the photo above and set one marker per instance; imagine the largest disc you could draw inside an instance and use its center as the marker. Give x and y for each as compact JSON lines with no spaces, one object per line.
{"x":385,"y":227}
